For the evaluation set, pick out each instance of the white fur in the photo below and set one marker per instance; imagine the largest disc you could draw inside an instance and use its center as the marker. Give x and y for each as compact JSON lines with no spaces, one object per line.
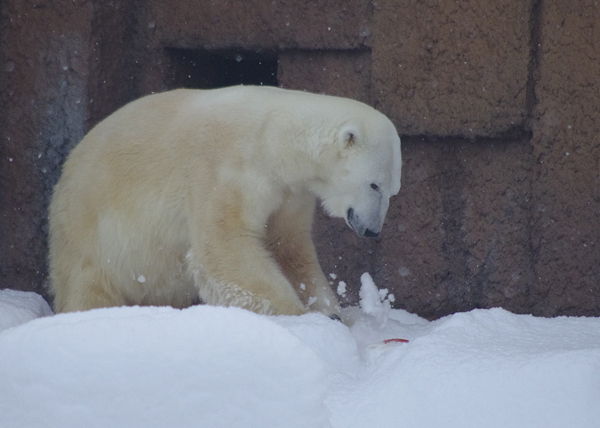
{"x":211,"y":194}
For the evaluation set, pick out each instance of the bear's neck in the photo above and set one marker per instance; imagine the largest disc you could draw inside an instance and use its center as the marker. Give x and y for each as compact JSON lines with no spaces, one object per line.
{"x":297,"y":157}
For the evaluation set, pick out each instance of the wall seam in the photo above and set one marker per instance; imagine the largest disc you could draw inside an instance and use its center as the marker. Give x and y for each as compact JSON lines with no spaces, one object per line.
{"x":531,"y":102}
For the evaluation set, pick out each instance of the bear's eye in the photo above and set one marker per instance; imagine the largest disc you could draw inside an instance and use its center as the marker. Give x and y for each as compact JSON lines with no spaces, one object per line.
{"x":374,"y":186}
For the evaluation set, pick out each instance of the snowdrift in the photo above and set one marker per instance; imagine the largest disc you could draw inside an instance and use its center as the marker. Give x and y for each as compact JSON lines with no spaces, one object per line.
{"x":226,"y":367}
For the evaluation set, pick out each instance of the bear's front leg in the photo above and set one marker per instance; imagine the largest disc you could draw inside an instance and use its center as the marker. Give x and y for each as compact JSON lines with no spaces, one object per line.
{"x":232,"y":267}
{"x":290,"y":241}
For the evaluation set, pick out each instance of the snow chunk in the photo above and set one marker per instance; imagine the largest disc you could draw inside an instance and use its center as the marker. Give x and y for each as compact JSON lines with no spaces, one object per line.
{"x":373,"y":301}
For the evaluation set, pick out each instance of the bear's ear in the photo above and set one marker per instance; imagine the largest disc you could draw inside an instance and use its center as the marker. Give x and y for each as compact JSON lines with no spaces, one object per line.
{"x":348,"y":137}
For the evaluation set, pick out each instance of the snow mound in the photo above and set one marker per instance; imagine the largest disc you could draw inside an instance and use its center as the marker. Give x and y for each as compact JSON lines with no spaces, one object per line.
{"x":331,"y":341}
{"x":159,"y":367}
{"x":19,"y":307}
{"x":226,"y":367}
{"x":485,"y":368}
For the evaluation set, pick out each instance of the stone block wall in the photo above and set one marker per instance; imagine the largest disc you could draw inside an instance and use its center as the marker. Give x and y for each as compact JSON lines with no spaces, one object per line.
{"x":452,"y":68}
{"x":496,"y":102}
{"x":566,"y":160}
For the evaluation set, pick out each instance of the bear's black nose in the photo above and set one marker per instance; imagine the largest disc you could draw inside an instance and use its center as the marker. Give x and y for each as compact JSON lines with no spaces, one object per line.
{"x":370,"y":234}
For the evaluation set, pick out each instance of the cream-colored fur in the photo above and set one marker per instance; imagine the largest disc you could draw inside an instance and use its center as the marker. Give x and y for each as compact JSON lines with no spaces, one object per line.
{"x":210,"y":194}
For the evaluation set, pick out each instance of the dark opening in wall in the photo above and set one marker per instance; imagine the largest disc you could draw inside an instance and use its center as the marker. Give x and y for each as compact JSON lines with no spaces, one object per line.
{"x":202,"y":69}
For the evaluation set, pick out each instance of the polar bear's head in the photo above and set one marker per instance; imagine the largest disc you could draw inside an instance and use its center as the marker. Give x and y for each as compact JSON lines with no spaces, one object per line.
{"x":360,"y":175}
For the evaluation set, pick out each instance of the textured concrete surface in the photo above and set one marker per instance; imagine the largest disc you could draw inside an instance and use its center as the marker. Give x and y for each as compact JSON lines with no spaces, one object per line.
{"x":450,"y":68}
{"x":44,"y":50}
{"x":566,"y":169}
{"x":496,"y":103}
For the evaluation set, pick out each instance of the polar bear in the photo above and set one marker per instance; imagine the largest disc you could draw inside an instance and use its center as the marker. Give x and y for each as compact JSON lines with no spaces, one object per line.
{"x":209,"y":195}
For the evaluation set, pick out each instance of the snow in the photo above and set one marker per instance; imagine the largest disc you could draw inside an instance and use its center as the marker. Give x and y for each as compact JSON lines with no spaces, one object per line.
{"x":226,"y":367}
{"x":18,"y":307}
{"x":372,"y":300}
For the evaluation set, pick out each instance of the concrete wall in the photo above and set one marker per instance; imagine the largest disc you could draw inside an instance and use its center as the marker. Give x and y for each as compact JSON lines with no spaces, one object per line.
{"x":496,"y":103}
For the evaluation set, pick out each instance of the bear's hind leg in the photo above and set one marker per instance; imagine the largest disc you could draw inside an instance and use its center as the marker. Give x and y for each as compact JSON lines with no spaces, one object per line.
{"x":83,"y":290}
